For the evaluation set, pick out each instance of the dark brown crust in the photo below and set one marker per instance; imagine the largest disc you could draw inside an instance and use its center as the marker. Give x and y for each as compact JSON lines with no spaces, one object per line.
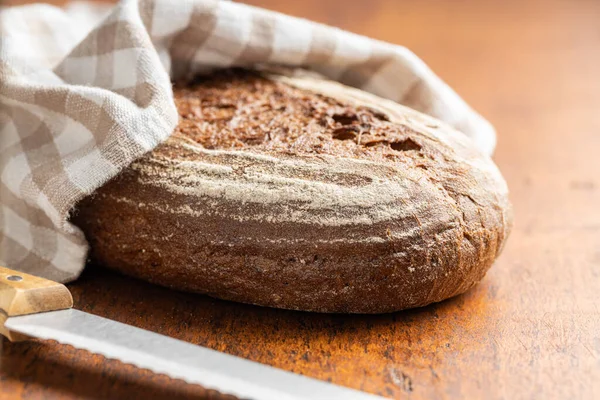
{"x":237,"y":109}
{"x":447,"y":205}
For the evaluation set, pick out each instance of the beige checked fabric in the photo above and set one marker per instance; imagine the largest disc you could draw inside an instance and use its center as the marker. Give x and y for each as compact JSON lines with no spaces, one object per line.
{"x":86,"y":90}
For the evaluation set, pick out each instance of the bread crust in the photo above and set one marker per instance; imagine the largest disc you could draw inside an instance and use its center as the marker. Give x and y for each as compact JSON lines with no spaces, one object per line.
{"x":313,"y":232}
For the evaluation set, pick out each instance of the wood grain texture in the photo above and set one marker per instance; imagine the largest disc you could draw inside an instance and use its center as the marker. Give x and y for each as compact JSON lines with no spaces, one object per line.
{"x":530,"y":330}
{"x":22,"y":294}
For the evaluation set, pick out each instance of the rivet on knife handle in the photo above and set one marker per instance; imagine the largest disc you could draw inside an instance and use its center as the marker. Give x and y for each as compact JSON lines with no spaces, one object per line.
{"x":22,"y":294}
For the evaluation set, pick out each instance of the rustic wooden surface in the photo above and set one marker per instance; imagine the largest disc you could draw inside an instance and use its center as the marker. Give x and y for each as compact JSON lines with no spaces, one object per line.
{"x":531,"y":329}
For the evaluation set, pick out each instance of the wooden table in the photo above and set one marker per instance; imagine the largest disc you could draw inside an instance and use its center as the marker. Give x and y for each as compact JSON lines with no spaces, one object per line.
{"x":531,"y":329}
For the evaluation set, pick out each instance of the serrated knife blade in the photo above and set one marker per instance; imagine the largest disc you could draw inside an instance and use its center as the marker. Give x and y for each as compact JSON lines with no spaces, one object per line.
{"x":21,"y":293}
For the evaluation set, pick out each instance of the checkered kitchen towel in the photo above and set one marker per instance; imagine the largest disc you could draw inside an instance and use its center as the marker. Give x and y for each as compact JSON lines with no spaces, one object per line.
{"x":86,"y":90}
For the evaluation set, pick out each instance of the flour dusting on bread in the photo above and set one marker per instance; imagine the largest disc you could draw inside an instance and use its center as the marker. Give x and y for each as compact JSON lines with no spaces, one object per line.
{"x":301,"y":193}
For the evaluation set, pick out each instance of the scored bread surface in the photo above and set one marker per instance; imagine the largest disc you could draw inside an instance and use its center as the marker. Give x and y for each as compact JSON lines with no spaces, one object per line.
{"x":300,"y":193}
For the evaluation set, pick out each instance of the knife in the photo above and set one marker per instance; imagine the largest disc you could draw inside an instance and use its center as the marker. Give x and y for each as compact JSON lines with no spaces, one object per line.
{"x":33,"y":307}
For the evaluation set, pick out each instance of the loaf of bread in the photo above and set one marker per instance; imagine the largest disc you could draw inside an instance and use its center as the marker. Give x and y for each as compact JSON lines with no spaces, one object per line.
{"x":300,"y":193}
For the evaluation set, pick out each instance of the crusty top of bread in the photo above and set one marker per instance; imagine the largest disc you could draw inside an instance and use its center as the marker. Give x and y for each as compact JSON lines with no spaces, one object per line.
{"x":243,"y":110}
{"x":345,"y":155}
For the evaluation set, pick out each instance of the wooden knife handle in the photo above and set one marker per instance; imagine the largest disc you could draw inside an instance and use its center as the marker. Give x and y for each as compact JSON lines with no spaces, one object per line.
{"x":22,"y":294}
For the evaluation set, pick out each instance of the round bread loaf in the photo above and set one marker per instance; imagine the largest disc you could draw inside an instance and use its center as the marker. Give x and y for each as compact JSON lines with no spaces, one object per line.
{"x":300,"y":193}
